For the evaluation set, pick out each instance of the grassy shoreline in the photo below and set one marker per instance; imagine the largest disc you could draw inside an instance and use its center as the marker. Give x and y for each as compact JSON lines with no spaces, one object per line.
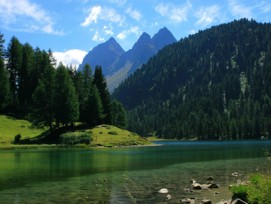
{"x":102,"y":136}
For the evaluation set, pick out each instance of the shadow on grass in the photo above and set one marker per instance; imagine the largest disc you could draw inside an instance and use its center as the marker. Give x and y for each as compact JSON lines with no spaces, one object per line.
{"x":53,"y":137}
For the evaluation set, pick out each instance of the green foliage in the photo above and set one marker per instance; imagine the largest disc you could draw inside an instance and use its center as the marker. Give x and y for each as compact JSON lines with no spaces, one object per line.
{"x":43,"y":106}
{"x":211,"y":85}
{"x":119,"y":117}
{"x":257,"y":191}
{"x":101,"y":85}
{"x":73,"y":138}
{"x":66,"y":106}
{"x":14,"y":54}
{"x":32,"y":88}
{"x":4,"y":83}
{"x":240,"y":191}
{"x":17,"y":139}
{"x":94,"y":108}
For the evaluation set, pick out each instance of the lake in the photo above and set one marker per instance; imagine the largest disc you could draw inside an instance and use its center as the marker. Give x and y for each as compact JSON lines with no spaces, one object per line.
{"x":127,"y":175}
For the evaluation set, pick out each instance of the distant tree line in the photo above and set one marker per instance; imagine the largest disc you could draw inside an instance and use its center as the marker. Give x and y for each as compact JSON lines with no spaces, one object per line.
{"x":215,"y":84}
{"x":32,"y":87}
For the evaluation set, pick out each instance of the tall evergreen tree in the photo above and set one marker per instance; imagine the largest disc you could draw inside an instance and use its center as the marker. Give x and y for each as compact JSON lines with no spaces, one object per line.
{"x":84,"y":83}
{"x":119,"y":117}
{"x":43,"y":109}
{"x":100,"y":82}
{"x":14,"y":54}
{"x":65,"y":98}
{"x":24,"y":85}
{"x":94,"y":108}
{"x":4,"y":83}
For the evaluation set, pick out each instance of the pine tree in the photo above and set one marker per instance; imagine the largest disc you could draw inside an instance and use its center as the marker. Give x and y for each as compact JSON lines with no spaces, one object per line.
{"x":119,"y":117}
{"x":24,"y":85}
{"x":14,"y":54}
{"x":94,"y":108}
{"x":84,"y":85}
{"x":100,"y":82}
{"x":4,"y":83}
{"x":66,"y":106}
{"x":42,"y":111}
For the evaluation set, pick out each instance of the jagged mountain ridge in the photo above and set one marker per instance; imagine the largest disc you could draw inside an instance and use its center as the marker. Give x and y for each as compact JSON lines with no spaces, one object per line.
{"x":118,"y":64}
{"x":104,"y":54}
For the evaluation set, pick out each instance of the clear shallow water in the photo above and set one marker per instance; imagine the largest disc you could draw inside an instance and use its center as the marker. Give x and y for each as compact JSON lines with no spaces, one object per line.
{"x":126,"y":175}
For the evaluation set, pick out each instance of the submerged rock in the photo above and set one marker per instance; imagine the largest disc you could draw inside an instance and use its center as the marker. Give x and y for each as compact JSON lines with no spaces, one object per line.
{"x":163,"y":191}
{"x":205,"y":201}
{"x":210,"y":178}
{"x":213,"y":185}
{"x":196,"y":186}
{"x":168,"y":196}
{"x":189,"y":200}
{"x":236,"y":174}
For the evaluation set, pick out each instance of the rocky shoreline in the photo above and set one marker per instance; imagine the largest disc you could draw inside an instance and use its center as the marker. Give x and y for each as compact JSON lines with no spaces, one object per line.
{"x":208,"y":192}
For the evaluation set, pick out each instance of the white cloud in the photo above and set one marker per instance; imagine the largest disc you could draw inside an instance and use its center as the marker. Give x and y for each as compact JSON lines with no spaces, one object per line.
{"x":71,"y":57}
{"x":108,"y":30}
{"x":123,"y":34}
{"x":22,"y":15}
{"x":97,"y":37}
{"x":134,"y":13}
{"x":238,"y":10}
{"x":103,"y":13}
{"x":207,"y":15}
{"x":177,"y":13}
{"x":93,"y":16}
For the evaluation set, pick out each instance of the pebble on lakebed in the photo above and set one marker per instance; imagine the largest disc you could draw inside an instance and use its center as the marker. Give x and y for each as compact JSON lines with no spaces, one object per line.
{"x":163,"y":191}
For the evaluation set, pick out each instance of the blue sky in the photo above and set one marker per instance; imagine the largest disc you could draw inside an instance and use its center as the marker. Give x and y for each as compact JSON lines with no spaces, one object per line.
{"x":73,"y":27}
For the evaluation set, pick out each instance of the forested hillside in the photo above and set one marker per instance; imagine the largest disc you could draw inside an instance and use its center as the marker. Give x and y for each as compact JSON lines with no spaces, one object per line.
{"x":215,"y":84}
{"x":33,"y":87}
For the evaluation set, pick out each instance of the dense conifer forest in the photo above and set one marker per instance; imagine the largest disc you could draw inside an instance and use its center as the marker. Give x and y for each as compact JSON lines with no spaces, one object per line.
{"x":215,"y":84}
{"x":33,"y":87}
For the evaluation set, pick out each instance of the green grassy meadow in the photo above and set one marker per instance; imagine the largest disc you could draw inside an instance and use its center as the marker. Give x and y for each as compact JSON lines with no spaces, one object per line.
{"x":110,"y":136}
{"x":10,"y":127}
{"x":102,"y":135}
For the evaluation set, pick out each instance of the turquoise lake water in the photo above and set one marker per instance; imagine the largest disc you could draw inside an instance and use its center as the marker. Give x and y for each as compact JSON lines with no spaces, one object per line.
{"x":127,"y":175}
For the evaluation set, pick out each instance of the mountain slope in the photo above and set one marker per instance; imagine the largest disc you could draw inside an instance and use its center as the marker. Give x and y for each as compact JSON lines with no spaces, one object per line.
{"x":117,"y":64}
{"x":214,"y":84}
{"x":105,"y":55}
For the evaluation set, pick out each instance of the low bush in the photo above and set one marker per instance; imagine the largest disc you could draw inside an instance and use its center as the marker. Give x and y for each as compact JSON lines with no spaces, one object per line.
{"x":112,"y":133}
{"x":73,"y":138}
{"x":17,"y":139}
{"x":257,"y":191}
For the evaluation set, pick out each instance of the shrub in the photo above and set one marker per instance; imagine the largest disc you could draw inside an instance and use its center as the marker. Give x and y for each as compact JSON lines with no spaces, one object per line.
{"x":257,"y":191}
{"x":73,"y":138}
{"x":239,"y":191}
{"x":17,"y":139}
{"x":112,"y":133}
{"x":260,"y":189}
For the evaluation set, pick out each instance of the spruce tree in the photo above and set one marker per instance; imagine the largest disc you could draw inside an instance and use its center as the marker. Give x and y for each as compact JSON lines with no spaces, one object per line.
{"x":119,"y":117}
{"x":4,"y":83}
{"x":94,"y":108}
{"x":84,"y":85}
{"x":14,"y":54}
{"x":24,"y":85}
{"x":66,"y":106}
{"x":42,"y":111}
{"x":100,"y":82}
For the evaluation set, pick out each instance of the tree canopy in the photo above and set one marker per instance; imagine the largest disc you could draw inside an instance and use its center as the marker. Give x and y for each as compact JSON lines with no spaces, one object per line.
{"x":211,"y":85}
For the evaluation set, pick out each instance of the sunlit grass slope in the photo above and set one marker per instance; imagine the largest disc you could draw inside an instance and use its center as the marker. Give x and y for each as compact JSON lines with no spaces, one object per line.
{"x":103,"y":135}
{"x":110,"y":136}
{"x":10,"y":127}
